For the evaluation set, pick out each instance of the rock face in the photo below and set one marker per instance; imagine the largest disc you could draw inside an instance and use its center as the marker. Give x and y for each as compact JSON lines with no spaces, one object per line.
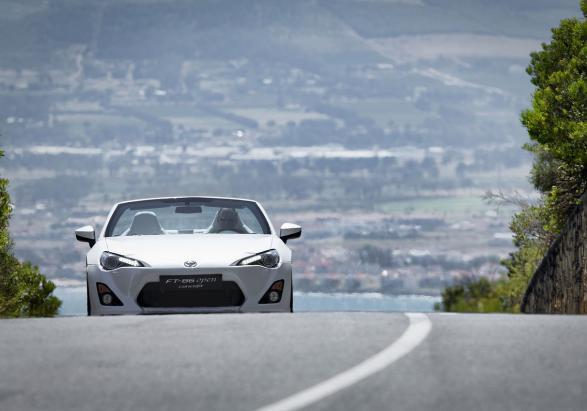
{"x":559,"y":285}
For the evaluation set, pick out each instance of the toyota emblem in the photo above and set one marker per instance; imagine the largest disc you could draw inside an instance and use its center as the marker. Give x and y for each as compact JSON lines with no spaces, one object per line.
{"x":190,"y":263}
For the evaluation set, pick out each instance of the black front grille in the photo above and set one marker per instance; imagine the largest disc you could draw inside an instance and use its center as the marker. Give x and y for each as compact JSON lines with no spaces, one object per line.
{"x":227,"y":295}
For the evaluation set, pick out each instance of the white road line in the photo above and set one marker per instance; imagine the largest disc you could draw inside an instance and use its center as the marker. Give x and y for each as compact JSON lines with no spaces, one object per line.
{"x":416,"y":332}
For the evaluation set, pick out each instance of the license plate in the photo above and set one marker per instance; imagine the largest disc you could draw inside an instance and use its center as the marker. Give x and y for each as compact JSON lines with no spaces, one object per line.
{"x":189,"y":282}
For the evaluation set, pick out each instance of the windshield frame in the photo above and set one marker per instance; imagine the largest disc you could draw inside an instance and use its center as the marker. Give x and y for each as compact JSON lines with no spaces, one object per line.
{"x":254,"y":207}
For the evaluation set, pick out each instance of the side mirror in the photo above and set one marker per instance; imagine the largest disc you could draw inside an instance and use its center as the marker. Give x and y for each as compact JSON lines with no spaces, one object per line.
{"x":86,"y":234}
{"x":289,"y":231}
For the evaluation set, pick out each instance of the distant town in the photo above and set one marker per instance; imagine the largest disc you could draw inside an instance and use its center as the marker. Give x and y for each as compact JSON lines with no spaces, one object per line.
{"x":382,"y":155}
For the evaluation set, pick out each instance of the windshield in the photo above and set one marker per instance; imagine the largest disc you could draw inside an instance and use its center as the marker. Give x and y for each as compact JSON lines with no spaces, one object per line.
{"x":187,"y":216}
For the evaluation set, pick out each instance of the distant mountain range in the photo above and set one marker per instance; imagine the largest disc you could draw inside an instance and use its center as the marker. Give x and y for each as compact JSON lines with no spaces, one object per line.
{"x":309,"y":106}
{"x":131,"y":29}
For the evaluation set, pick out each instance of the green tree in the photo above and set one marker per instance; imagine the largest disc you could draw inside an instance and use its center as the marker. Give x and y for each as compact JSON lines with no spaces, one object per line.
{"x":557,"y":127}
{"x":557,"y":120}
{"x":473,"y":295}
{"x":24,"y":291}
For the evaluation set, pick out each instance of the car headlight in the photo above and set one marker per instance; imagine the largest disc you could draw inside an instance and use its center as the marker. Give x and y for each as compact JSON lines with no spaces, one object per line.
{"x":110,"y":261}
{"x":268,"y":259}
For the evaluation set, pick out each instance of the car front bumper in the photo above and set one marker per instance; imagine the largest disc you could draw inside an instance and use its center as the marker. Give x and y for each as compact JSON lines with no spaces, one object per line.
{"x":127,"y":283}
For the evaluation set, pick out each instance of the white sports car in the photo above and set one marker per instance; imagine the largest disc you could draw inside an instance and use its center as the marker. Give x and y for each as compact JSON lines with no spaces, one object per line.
{"x":188,"y":254}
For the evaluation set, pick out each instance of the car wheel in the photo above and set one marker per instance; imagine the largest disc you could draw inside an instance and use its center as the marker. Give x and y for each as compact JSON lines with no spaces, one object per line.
{"x":291,"y":299}
{"x":88,"y":307}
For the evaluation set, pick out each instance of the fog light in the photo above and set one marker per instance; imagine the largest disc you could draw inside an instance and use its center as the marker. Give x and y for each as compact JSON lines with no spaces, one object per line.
{"x":274,"y":296}
{"x":107,"y":299}
{"x":106,"y":296}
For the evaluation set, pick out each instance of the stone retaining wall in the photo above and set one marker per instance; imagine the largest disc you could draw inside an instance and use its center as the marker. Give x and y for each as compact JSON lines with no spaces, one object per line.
{"x":559,"y":285}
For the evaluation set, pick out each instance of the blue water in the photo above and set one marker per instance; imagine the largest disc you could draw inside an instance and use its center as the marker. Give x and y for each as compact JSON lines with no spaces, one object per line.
{"x":363,"y":302}
{"x":73,"y":298}
{"x":74,"y":302}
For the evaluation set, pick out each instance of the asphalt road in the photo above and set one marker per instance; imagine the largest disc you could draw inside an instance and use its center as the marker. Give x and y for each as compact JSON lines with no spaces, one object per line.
{"x":324,"y":361}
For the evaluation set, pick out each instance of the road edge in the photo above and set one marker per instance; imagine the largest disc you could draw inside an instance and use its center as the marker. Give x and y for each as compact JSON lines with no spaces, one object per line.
{"x":417,"y":331}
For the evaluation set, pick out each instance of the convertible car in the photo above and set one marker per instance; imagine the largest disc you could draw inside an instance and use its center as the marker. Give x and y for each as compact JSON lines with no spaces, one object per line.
{"x":188,"y":254}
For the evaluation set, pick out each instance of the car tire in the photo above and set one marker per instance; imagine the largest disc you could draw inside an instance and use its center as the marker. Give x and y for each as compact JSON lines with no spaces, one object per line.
{"x":88,"y":307}
{"x":291,"y":299}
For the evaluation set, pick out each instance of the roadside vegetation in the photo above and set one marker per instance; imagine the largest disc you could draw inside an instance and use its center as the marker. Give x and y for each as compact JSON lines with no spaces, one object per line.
{"x":557,"y":126}
{"x":24,"y":291}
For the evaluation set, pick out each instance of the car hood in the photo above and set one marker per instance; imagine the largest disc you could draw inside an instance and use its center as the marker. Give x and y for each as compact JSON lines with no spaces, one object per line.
{"x":172,"y":250}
